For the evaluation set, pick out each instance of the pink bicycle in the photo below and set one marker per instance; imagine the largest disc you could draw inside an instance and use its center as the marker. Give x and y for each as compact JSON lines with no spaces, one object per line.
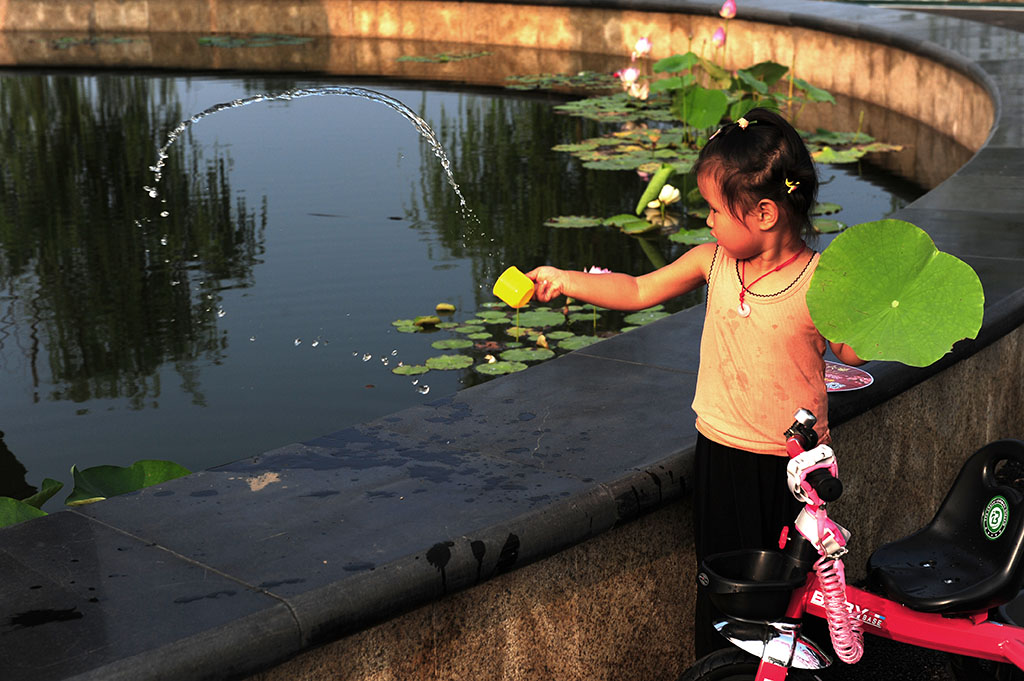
{"x":946,"y":587}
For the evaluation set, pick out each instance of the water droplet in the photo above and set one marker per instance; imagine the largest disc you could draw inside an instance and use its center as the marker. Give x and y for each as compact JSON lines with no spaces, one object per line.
{"x":163,"y":240}
{"x":367,"y":357}
{"x":164,"y":213}
{"x":415,"y":381}
{"x":394,"y":352}
{"x":315,"y":344}
{"x":384,"y":361}
{"x":252,"y":339}
{"x":423,"y":389}
{"x":221,"y":312}
{"x":298,"y":342}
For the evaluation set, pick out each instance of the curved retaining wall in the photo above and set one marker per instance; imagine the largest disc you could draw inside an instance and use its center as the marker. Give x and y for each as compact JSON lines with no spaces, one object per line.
{"x":535,"y":526}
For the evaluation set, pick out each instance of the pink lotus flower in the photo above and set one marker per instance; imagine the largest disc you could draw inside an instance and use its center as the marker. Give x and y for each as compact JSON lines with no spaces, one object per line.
{"x":642,"y":48}
{"x":628,"y":76}
{"x":718,"y":39}
{"x":640,"y":90}
{"x":728,"y":10}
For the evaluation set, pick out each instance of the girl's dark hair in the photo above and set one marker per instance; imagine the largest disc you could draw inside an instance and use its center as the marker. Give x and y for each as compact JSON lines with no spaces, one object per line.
{"x":755,"y":162}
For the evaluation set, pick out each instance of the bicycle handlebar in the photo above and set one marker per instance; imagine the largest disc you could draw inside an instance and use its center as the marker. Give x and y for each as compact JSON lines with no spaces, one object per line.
{"x":828,"y":487}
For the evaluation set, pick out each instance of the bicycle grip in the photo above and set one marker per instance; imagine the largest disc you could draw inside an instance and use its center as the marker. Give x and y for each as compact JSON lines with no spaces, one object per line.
{"x":828,"y":487}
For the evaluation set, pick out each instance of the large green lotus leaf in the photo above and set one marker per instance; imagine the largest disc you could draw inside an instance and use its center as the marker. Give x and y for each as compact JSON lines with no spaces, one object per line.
{"x":577,"y":342}
{"x":884,"y":289}
{"x":101,"y":482}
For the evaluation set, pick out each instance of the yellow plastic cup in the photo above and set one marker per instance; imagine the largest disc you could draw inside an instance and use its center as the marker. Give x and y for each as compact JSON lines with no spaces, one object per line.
{"x":514,"y":287}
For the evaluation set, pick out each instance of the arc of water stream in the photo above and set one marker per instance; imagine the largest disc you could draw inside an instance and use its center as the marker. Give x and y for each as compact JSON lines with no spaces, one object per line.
{"x":362,"y":93}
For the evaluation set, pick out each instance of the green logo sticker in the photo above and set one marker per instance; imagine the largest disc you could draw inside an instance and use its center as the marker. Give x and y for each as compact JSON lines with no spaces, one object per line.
{"x":995,"y":517}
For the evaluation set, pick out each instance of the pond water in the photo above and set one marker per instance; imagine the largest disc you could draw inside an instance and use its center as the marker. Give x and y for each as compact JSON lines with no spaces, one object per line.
{"x":250,"y":305}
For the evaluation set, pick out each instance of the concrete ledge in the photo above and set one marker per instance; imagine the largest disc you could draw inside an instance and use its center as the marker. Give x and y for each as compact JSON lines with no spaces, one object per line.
{"x":535,"y":525}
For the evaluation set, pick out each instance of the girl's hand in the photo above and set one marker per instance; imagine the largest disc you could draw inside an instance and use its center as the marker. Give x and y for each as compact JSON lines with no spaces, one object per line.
{"x":549,"y":282}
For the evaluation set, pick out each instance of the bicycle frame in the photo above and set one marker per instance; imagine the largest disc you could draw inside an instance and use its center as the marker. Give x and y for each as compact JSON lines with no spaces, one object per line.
{"x":971,"y":635}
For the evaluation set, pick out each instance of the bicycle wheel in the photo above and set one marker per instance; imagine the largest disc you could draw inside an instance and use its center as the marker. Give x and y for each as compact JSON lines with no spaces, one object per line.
{"x":733,"y":664}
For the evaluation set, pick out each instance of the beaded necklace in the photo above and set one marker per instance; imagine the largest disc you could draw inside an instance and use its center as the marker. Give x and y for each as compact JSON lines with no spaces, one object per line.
{"x":743,"y":310}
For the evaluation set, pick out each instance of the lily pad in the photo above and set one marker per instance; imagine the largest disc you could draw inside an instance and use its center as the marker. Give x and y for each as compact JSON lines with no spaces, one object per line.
{"x":577,"y":342}
{"x":574,"y":222}
{"x":559,"y":335}
{"x":884,"y":289}
{"x":452,"y":344}
{"x":498,"y":368}
{"x":492,"y":316}
{"x":479,"y":336}
{"x":542,"y":317}
{"x":410,"y":370}
{"x":449,"y":362}
{"x":828,"y":225}
{"x":469,"y":328}
{"x":100,"y":482}
{"x":645,"y":317}
{"x":692,"y":236}
{"x":410,"y":328}
{"x":13,"y":512}
{"x":527,"y":355}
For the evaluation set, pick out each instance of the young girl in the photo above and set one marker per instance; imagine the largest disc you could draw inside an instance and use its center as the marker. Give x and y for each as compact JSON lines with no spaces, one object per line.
{"x":761,"y":357}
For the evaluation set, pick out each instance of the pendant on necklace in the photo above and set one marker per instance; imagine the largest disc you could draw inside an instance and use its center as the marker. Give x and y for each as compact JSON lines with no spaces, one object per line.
{"x":743,"y":310}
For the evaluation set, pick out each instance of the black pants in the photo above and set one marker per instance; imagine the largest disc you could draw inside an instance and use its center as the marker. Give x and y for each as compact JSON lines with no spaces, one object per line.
{"x":740,"y":501}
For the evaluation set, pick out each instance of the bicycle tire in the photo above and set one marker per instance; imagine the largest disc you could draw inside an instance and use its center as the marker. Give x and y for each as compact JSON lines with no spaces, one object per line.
{"x":733,"y":664}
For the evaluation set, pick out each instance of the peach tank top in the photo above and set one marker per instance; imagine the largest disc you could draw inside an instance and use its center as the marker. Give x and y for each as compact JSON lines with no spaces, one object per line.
{"x":756,"y":371}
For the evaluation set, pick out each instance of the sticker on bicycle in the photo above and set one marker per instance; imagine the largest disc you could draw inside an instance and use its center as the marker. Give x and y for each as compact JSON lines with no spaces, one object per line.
{"x":842,"y":378}
{"x":995,"y":517}
{"x":865,"y":615}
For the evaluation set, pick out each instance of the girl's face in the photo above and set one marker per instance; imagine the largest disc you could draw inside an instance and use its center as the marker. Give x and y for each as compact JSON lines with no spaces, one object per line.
{"x":741,"y":238}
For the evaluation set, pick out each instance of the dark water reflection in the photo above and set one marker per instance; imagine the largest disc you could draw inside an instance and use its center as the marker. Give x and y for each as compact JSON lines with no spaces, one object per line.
{"x":294,"y":234}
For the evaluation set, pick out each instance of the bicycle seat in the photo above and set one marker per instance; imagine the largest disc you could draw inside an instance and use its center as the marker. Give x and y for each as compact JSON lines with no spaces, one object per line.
{"x":969,"y":557}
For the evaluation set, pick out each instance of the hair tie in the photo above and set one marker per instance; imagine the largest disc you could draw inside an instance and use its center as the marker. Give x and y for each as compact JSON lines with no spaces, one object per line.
{"x":791,"y":186}
{"x":743,"y":123}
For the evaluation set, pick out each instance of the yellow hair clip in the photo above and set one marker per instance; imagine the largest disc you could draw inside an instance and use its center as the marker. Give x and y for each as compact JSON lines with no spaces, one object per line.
{"x":791,"y":186}
{"x":743,"y":123}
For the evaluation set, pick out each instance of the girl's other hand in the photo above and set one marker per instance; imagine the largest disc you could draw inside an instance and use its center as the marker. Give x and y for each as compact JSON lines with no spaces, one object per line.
{"x":549,"y":282}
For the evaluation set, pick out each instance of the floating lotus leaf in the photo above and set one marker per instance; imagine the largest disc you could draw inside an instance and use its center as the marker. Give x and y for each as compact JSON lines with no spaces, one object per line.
{"x":479,"y":336}
{"x":449,"y":362}
{"x":492,"y":305}
{"x":13,"y":512}
{"x":838,"y":156}
{"x":101,"y":482}
{"x":540,"y":318}
{"x":884,"y":289}
{"x":645,"y":317}
{"x":585,"y":145}
{"x":444,"y":308}
{"x":407,"y":329}
{"x":448,"y":325}
{"x":692,"y":236}
{"x":469,"y":328}
{"x":832,"y":138}
{"x":574,"y":222}
{"x":47,"y":489}
{"x":492,"y":316}
{"x":498,"y":368}
{"x":559,"y":335}
{"x":825,"y":208}
{"x":577,"y":342}
{"x":828,"y":225}
{"x":452,"y":344}
{"x":402,"y":322}
{"x":582,"y":317}
{"x":630,"y":224}
{"x":410,"y":369}
{"x":426,"y":320}
{"x":527,"y":355}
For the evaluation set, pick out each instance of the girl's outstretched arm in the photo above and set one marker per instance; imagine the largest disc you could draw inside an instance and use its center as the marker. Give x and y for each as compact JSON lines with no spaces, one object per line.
{"x":622,"y":291}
